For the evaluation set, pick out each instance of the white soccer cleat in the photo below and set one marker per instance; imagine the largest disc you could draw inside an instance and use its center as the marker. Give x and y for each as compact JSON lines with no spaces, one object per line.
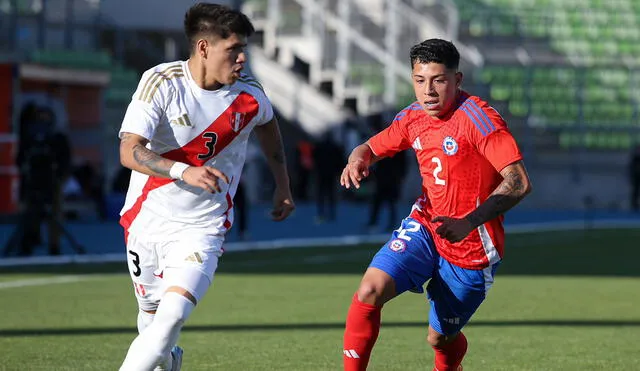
{"x":176,"y":354}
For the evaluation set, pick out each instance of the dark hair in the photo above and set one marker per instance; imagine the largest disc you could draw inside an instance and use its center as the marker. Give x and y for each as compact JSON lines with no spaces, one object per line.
{"x":435,"y":51}
{"x":215,"y":20}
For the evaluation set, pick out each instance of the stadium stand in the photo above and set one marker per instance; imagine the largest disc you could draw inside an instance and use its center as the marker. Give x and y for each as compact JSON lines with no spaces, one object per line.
{"x":562,"y":73}
{"x":588,"y":94}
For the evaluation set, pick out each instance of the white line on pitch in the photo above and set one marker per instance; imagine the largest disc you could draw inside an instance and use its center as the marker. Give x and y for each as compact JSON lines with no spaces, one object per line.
{"x":45,"y":281}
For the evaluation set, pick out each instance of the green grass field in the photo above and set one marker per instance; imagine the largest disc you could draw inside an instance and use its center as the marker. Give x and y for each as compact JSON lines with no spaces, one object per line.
{"x":561,"y":301}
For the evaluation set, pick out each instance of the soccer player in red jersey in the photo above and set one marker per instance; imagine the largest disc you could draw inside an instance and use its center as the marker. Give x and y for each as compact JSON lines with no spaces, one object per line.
{"x":472,"y":173}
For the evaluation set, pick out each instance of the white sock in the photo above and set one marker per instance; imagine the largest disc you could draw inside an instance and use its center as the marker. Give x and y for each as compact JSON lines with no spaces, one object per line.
{"x":144,"y":320}
{"x":153,"y":346}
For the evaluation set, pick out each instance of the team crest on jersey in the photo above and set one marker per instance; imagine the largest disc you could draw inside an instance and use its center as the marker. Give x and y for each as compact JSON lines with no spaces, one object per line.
{"x":237,"y":121}
{"x":398,"y":245}
{"x":449,"y":146}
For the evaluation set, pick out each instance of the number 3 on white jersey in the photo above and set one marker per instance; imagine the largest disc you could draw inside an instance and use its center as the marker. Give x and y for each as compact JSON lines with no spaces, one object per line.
{"x":437,"y":171}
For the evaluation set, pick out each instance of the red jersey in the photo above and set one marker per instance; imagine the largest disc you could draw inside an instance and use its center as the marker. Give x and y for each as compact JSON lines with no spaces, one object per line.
{"x":460,"y":158}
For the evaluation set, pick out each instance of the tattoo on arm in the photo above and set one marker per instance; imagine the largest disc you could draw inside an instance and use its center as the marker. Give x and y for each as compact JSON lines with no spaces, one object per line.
{"x":150,"y":160}
{"x":125,"y":138}
{"x":144,"y":158}
{"x":511,"y":191}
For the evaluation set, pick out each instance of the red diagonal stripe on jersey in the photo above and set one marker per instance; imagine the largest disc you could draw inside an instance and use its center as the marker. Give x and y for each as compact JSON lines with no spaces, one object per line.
{"x":244,"y":108}
{"x":151,"y":184}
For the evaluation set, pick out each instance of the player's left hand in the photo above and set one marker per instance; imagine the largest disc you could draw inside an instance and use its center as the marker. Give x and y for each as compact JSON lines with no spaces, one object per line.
{"x":452,"y":229}
{"x":283,"y":205}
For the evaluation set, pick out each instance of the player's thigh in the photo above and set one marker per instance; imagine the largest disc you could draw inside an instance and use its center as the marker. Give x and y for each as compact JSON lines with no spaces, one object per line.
{"x":409,"y":256}
{"x":142,"y":261}
{"x":191,"y":263}
{"x":455,"y":294}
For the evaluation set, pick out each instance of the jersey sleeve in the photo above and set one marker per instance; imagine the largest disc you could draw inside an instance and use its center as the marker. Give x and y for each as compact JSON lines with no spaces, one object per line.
{"x":491,"y":136}
{"x":147,"y":106}
{"x":253,"y":87}
{"x":392,"y":139}
{"x":265,"y":112}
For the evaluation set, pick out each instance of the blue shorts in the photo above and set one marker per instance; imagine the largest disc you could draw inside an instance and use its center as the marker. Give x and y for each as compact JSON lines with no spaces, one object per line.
{"x":455,"y":293}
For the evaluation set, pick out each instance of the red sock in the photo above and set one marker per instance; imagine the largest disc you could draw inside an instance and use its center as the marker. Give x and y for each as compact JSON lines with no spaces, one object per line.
{"x":361,"y":332}
{"x":449,"y":357}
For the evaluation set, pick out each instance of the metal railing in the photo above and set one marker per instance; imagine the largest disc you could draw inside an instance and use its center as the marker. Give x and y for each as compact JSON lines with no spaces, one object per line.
{"x":366,"y":57}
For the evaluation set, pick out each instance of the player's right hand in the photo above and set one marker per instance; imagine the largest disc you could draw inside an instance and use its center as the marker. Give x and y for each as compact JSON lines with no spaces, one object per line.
{"x":205,"y":177}
{"x":353,"y":173}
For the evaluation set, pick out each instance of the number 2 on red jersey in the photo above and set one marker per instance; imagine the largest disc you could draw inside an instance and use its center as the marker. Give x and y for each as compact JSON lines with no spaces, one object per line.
{"x":437,"y":171}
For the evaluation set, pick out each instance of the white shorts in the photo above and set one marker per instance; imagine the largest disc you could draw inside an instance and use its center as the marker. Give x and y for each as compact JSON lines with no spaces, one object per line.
{"x":189,"y":263}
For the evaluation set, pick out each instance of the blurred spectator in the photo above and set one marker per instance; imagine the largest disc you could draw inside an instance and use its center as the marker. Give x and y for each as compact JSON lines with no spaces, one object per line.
{"x":49,"y":99}
{"x":634,"y":177}
{"x":329,"y":159}
{"x":388,"y":175}
{"x":303,"y":169}
{"x":43,"y":160}
{"x":120,"y":183}
{"x":240,"y":211}
{"x":90,"y":183}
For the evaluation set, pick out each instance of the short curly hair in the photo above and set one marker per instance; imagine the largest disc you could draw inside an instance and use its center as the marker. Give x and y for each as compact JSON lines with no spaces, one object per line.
{"x":206,"y":19}
{"x":435,"y":51}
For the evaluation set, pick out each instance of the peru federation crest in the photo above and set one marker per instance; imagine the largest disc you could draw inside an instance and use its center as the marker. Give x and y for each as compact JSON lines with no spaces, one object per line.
{"x":449,"y":146}
{"x":237,"y":121}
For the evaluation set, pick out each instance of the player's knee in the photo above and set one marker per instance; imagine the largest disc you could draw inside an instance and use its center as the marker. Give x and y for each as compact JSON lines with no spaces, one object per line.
{"x":174,"y":310}
{"x":372,"y":293}
{"x":376,"y":288}
{"x":436,"y":339}
{"x":173,"y":318}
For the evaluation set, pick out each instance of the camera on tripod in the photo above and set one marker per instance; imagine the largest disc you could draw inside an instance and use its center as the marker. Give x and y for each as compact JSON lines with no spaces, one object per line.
{"x":39,"y":162}
{"x":44,"y":159}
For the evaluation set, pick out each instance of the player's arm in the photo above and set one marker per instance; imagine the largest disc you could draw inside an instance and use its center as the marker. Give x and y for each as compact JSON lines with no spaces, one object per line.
{"x":513,"y":188}
{"x":501,"y":150}
{"x":388,"y":142}
{"x":271,"y":144}
{"x":142,"y":118}
{"x":358,"y":163}
{"x":136,"y":156}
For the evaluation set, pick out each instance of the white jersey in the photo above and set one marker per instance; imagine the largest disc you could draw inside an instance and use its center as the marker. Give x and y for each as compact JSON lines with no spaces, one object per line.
{"x":186,"y":123}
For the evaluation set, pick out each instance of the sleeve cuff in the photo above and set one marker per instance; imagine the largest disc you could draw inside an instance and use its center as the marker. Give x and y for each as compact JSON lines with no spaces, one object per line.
{"x":372,"y":150}
{"x":508,"y":162}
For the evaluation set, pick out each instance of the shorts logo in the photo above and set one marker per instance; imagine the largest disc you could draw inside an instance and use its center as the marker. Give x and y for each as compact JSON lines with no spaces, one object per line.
{"x":398,"y":245}
{"x":195,"y":257}
{"x":453,"y":321}
{"x":449,"y":146}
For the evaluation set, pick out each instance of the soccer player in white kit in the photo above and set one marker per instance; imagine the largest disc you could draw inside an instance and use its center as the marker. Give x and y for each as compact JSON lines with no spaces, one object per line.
{"x":184,"y":135}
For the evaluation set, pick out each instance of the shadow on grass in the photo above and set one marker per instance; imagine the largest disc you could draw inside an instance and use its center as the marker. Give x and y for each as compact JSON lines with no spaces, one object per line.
{"x":315,"y":326}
